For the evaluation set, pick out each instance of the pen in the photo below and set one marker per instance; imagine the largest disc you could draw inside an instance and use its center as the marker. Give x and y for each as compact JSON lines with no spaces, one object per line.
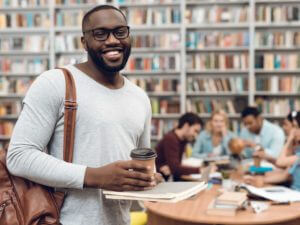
{"x":280,"y":203}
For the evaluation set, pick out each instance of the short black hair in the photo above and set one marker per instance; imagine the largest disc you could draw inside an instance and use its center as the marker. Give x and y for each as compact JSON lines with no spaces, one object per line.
{"x":191,"y":119}
{"x":294,"y":116}
{"x":250,"y":111}
{"x":97,"y":8}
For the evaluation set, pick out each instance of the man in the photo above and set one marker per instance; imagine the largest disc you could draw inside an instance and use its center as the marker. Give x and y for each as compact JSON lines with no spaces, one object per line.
{"x":263,"y":139}
{"x":171,"y":148}
{"x":113,"y":118}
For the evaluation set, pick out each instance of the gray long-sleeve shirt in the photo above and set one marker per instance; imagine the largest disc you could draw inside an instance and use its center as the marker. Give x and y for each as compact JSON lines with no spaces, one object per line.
{"x":109,"y":123}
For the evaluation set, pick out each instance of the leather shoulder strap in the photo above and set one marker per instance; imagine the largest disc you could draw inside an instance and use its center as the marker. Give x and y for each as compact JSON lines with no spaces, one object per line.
{"x":70,"y":116}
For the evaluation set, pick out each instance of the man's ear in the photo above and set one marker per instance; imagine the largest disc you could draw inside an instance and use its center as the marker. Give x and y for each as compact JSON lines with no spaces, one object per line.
{"x":83,"y":42}
{"x":185,"y":126}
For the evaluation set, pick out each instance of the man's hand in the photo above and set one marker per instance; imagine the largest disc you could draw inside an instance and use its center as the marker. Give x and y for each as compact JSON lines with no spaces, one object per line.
{"x":158,"y":178}
{"x":120,"y":176}
{"x":165,"y":170}
{"x":249,"y":144}
{"x":260,"y":154}
{"x":257,"y":181}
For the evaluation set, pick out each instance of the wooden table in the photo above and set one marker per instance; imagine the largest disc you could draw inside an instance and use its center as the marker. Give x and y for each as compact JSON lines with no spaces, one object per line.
{"x":192,"y":212}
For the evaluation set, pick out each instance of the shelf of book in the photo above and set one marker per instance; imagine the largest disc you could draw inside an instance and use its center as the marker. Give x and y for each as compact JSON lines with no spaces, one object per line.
{"x":277,"y":71}
{"x":9,"y":117}
{"x":149,"y":4}
{"x":216,"y":72}
{"x":220,"y":26}
{"x":18,"y":74}
{"x":216,"y":49}
{"x":11,"y":96}
{"x":218,"y":94}
{"x":24,"y":30}
{"x":4,"y":138}
{"x":277,"y":2}
{"x":23,"y":53}
{"x":216,"y":2}
{"x":24,"y":9}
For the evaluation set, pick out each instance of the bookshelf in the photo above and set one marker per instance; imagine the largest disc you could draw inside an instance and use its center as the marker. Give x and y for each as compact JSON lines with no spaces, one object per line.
{"x":192,"y":55}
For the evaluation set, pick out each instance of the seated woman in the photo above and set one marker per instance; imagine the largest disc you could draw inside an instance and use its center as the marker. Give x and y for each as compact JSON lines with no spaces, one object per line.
{"x":289,"y":158}
{"x":214,"y":140}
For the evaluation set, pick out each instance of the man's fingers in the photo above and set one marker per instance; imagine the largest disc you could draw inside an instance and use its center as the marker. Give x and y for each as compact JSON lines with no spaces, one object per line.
{"x":138,"y":175}
{"x":130,"y":164}
{"x":137,"y":183}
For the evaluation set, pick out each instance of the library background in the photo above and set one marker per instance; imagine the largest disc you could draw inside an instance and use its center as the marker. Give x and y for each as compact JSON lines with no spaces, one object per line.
{"x":192,"y":55}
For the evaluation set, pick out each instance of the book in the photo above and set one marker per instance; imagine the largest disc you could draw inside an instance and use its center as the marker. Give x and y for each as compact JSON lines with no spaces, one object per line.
{"x":163,"y":192}
{"x":215,"y":211}
{"x":231,"y":198}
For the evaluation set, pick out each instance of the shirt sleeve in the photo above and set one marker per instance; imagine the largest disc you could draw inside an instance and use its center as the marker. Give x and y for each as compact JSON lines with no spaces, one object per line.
{"x":26,"y":155}
{"x":198,"y":151}
{"x":244,"y":134}
{"x":172,"y":155}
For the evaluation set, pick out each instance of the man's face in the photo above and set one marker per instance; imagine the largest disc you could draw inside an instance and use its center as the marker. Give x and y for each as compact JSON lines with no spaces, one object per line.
{"x":108,"y":55}
{"x":252,"y":123}
{"x":287,"y":126}
{"x":192,"y":132}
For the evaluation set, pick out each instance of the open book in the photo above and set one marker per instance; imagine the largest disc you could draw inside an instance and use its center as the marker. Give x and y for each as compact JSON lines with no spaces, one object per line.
{"x":275,"y":193}
{"x":163,"y":192}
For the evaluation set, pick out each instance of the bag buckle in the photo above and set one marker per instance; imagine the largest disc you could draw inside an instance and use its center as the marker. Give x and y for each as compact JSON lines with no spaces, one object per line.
{"x":70,"y":104}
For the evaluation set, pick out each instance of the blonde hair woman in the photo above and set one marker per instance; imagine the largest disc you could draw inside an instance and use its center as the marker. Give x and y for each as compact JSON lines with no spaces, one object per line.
{"x":213,"y":141}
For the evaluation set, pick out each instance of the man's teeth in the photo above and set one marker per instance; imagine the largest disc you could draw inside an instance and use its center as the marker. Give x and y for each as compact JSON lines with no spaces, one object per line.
{"x":110,"y":53}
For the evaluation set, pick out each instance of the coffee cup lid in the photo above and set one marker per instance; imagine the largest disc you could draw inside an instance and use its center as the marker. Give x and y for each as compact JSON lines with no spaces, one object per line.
{"x":143,"y":153}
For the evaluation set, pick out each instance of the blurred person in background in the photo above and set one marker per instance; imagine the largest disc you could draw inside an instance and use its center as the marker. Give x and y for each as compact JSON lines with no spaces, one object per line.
{"x":213,"y":141}
{"x":171,"y":148}
{"x":262,"y":138}
{"x":288,"y":160}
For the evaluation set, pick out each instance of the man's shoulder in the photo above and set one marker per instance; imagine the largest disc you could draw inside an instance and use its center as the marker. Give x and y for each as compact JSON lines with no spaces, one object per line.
{"x":138,"y":90}
{"x":170,"y":136}
{"x":272,"y":126}
{"x":52,"y":75}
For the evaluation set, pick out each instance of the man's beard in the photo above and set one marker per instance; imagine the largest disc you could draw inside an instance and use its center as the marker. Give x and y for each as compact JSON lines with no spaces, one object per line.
{"x":101,"y":65}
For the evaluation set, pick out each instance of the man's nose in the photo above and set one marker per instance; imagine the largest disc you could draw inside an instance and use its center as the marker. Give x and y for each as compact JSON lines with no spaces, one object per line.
{"x":111,"y":38}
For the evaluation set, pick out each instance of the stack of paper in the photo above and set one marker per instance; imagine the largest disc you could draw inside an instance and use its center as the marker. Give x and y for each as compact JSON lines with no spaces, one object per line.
{"x":163,"y":192}
{"x":227,"y":204}
{"x":275,"y":193}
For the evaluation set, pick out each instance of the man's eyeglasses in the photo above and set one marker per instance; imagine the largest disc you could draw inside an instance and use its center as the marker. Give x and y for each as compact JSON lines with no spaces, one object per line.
{"x":101,"y":34}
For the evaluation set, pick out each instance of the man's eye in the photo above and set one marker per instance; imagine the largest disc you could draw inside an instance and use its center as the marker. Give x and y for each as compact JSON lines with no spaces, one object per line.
{"x":120,"y":32}
{"x":99,"y":33}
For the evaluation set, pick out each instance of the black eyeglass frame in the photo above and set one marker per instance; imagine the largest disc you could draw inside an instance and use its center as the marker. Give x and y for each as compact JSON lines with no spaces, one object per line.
{"x":108,"y":32}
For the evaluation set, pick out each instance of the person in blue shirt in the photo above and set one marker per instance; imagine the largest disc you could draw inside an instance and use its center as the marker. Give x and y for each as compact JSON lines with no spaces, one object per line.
{"x":262,"y":138}
{"x":213,"y":141}
{"x":288,"y":160}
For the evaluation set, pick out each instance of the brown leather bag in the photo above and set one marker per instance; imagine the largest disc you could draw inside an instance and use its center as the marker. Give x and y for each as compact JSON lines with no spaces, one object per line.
{"x":23,"y":202}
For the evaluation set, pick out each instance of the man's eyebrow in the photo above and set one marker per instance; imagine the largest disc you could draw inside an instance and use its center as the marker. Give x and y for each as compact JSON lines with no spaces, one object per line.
{"x":105,"y":28}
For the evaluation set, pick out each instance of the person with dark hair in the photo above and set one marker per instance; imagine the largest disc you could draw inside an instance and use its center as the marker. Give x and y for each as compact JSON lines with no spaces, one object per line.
{"x":288,"y":160}
{"x":292,"y":120}
{"x":171,"y":148}
{"x":113,"y":117}
{"x":262,"y":138}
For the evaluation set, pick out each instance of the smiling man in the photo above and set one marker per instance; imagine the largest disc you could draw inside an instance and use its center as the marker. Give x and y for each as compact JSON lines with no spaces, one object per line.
{"x":113,"y":117}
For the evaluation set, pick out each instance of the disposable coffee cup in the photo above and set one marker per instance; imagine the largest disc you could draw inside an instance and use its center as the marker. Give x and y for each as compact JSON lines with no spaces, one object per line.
{"x":145,"y":156}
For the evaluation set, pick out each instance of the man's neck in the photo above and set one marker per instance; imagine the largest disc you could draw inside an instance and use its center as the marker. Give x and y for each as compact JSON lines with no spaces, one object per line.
{"x":109,"y":80}
{"x":179,"y":134}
